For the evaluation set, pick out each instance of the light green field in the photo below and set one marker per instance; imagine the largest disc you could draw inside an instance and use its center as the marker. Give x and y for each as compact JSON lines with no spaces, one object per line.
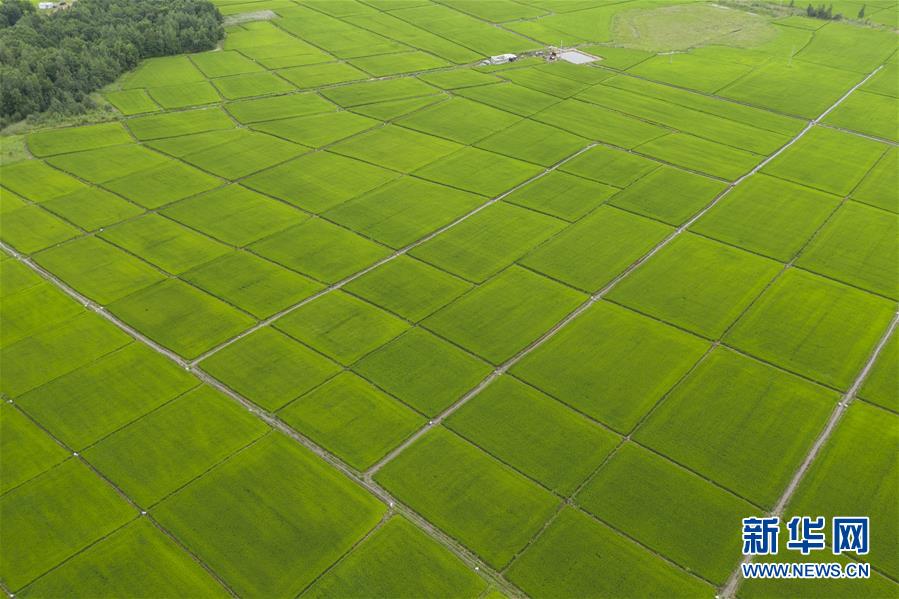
{"x":269,"y":368}
{"x":353,"y":419}
{"x":627,"y":489}
{"x":301,"y":514}
{"x":409,"y":288}
{"x":504,"y":315}
{"x":479,"y":500}
{"x":532,"y":329}
{"x":483,"y":245}
{"x":597,"y":248}
{"x":534,"y":434}
{"x":342,"y":326}
{"x":697,"y":284}
{"x":813,"y":326}
{"x":869,"y":486}
{"x":598,"y":367}
{"x":751,"y":444}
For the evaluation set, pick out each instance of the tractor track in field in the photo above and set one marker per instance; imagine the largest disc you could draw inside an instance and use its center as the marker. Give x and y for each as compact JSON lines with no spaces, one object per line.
{"x":595,"y":297}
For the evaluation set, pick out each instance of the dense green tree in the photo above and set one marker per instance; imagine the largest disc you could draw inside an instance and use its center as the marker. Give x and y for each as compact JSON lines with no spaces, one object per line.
{"x":52,"y":62}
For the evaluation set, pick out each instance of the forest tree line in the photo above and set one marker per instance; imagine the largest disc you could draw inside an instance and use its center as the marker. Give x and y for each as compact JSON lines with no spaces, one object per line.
{"x":51,"y":62}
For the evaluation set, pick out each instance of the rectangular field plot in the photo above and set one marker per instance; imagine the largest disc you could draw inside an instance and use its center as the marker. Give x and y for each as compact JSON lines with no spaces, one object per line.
{"x":880,"y":386}
{"x":577,"y":556}
{"x":484,"y":244}
{"x":473,"y":497}
{"x":51,"y":353}
{"x":813,"y":326}
{"x":286,"y":511}
{"x":107,"y":164}
{"x":516,"y":99}
{"x":534,"y":433}
{"x":396,"y":148}
{"x":351,"y":418}
{"x":168,"y":70}
{"x":561,"y":195}
{"x":768,"y":215}
{"x":317,"y":75}
{"x":278,"y":107}
{"x":320,"y":180}
{"x":132,"y":101}
{"x":19,"y":319}
{"x":269,"y":368}
{"x":160,"y":186}
{"x":317,"y":130}
{"x":165,"y":243}
{"x":423,"y":371}
{"x":611,"y":364}
{"x":27,"y":450}
{"x":357,"y":94}
{"x":172,"y":124}
{"x":320,"y":250}
{"x":341,"y":326}
{"x":672,"y":510}
{"x":30,"y":228}
{"x":459,"y":120}
{"x":253,"y":284}
{"x":795,"y":88}
{"x":180,"y":317}
{"x":77,"y":139}
{"x":843,"y":482}
{"x":669,"y":194}
{"x":92,"y":208}
{"x":380,"y":567}
{"x":221,"y":64}
{"x":534,"y":142}
{"x":62,"y":512}
{"x":232,"y":153}
{"x":252,"y":84}
{"x":874,"y":114}
{"x":545,"y":81}
{"x":145,"y":561}
{"x":98,"y":269}
{"x":610,"y":166}
{"x":135,"y":380}
{"x":599,"y":124}
{"x":38,"y":182}
{"x":479,"y":171}
{"x":234,"y":214}
{"x":184,"y":96}
{"x":701,"y":121}
{"x":697,"y":284}
{"x":395,"y":64}
{"x":458,"y":78}
{"x":501,"y":317}
{"x":403,"y":210}
{"x":168,"y":448}
{"x":880,"y":187}
{"x":858,"y":246}
{"x":394,"y":109}
{"x":701,"y":155}
{"x":829,"y":160}
{"x":691,"y":71}
{"x":751,"y":443}
{"x":408,"y":287}
{"x":593,"y":251}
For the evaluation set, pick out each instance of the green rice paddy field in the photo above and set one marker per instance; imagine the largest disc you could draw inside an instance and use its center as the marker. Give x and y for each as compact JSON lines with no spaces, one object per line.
{"x":337,"y":311}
